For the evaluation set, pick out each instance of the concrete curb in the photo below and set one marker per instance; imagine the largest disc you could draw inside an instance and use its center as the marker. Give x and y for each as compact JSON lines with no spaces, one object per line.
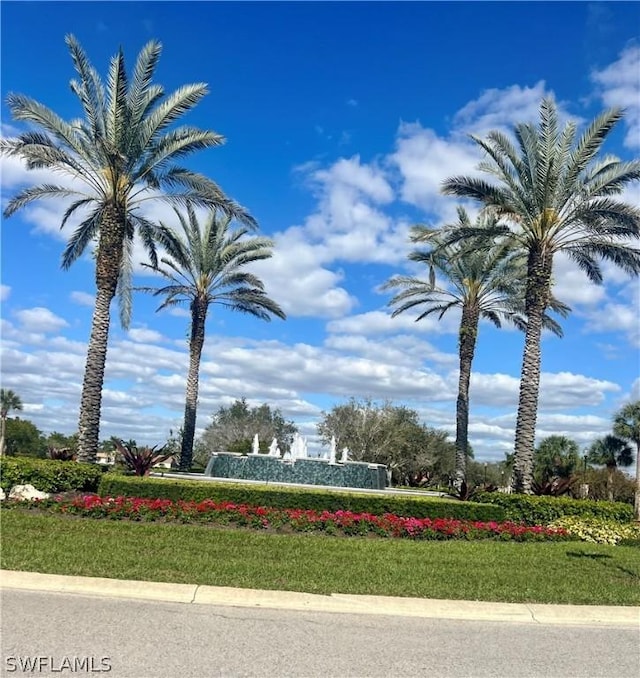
{"x":334,"y":603}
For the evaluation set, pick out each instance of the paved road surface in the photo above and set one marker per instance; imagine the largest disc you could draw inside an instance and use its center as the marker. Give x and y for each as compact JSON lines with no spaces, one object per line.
{"x":145,"y":639}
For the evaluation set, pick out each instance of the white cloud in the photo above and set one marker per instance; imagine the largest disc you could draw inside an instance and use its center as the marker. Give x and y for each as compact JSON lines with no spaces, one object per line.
{"x":572,"y":286}
{"x":500,"y":108}
{"x":40,"y":319}
{"x":425,"y":160}
{"x":618,"y":84}
{"x":620,"y":312}
{"x":5,"y":291}
{"x":144,"y":335}
{"x":379,"y":322}
{"x":82,"y":298}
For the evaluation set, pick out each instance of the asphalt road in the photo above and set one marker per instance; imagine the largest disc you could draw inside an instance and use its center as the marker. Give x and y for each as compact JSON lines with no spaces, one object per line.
{"x":70,"y":634}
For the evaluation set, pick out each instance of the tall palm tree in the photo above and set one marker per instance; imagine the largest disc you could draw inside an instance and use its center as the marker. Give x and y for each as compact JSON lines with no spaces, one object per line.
{"x":9,"y":401}
{"x":611,"y":452}
{"x":116,"y":159}
{"x":205,"y":265}
{"x":558,"y":196}
{"x":626,"y":425}
{"x":485,"y":282}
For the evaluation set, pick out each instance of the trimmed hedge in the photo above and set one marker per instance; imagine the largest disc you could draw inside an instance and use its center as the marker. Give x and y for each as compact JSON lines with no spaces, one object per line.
{"x":49,"y":475}
{"x":296,"y":498}
{"x":542,"y":510}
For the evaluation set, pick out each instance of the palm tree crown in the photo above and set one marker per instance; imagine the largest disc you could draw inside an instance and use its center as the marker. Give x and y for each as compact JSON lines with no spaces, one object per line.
{"x":205,"y":264}
{"x":9,"y":400}
{"x":626,"y":425}
{"x":557,"y":195}
{"x":611,"y":452}
{"x":116,"y":159}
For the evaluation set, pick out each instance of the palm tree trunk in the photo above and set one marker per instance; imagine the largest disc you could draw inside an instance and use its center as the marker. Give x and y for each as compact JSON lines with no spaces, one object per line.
{"x":610,"y":470}
{"x":537,"y":296}
{"x":467,"y":345}
{"x":637,"y":497}
{"x":3,"y":434}
{"x":108,"y":261}
{"x":196,"y":342}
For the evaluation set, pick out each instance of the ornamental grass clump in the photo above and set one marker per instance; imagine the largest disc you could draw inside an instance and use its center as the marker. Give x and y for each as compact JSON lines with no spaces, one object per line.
{"x":341,"y":523}
{"x":599,"y":530}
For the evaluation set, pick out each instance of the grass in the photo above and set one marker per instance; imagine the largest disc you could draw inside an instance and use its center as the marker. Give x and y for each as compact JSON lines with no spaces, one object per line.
{"x":569,"y":572}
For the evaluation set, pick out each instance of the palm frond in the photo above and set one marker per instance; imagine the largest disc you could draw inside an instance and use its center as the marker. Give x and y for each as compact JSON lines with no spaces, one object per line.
{"x":172,"y":108}
{"x":143,"y":71}
{"x":81,"y":237}
{"x":27,"y":195}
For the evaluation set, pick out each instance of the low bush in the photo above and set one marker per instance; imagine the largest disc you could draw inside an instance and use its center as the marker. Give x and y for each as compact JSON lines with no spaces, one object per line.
{"x":296,"y":498}
{"x":49,"y":475}
{"x":542,"y":510}
{"x":599,"y":530}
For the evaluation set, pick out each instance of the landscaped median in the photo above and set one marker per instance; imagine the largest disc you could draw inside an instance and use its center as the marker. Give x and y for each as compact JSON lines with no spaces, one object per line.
{"x":343,"y":523}
{"x":453,"y":569}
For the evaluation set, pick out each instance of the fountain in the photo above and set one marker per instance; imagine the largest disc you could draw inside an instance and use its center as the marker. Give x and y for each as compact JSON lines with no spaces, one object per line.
{"x":295,"y":466}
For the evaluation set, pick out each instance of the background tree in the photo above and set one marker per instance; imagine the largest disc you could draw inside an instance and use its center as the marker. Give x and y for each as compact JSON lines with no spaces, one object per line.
{"x":555,"y":457}
{"x":206,"y":265}
{"x":116,"y":159}
{"x":9,"y":402}
{"x":24,"y":439}
{"x":483,"y":283}
{"x":611,"y":452}
{"x":388,"y":434}
{"x":233,"y":428}
{"x":557,"y":196}
{"x":61,"y":440}
{"x":626,"y":425}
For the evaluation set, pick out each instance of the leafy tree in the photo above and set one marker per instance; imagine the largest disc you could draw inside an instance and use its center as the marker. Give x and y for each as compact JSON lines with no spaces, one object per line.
{"x":602,"y":484}
{"x":626,"y":425}
{"x":118,"y":157}
{"x":205,"y":265}
{"x":233,"y":428}
{"x":555,"y":457}
{"x":9,"y":401}
{"x":60,"y":440}
{"x":611,"y":452}
{"x":483,"y":282}
{"x":391,"y":435}
{"x":24,"y":439}
{"x":558,"y":195}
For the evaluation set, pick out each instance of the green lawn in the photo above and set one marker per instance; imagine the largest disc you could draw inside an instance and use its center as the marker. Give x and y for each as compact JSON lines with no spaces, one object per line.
{"x":566,"y":572}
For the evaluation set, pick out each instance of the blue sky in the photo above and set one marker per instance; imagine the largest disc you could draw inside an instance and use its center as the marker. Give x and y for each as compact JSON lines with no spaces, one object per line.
{"x":341,"y":120}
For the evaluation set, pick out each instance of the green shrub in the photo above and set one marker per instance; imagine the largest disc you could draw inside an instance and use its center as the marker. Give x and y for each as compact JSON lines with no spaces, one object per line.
{"x":599,"y":530}
{"x":542,"y":510}
{"x":284,"y":497}
{"x":48,"y":475}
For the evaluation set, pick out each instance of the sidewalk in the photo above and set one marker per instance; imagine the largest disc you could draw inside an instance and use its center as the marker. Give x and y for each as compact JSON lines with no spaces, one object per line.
{"x":525,"y":613}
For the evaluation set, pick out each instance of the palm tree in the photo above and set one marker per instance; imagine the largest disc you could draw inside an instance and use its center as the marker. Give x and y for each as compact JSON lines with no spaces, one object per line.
{"x":9,"y":400}
{"x":557,"y":196}
{"x":486,"y":282}
{"x":118,"y":157}
{"x":556,"y":457}
{"x":626,"y":425}
{"x":205,"y":266}
{"x":611,"y":452}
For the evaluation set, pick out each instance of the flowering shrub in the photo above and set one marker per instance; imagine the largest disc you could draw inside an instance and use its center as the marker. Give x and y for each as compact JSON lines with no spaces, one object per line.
{"x":598,"y":530}
{"x":345,"y":523}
